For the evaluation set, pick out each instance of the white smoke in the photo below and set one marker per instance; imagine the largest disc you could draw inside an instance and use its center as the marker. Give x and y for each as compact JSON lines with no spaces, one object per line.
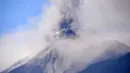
{"x":96,"y":21}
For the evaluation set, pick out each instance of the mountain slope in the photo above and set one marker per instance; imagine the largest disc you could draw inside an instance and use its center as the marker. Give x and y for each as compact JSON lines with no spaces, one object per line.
{"x":118,"y":65}
{"x":48,"y":61}
{"x":37,"y":64}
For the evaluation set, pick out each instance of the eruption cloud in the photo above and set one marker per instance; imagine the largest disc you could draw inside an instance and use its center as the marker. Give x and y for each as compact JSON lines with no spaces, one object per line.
{"x":97,"y":24}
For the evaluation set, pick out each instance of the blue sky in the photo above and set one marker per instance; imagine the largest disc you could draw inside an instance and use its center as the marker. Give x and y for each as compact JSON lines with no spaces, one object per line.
{"x":17,"y":12}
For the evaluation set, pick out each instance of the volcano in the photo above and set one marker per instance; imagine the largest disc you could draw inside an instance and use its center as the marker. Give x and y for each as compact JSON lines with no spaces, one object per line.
{"x":45,"y":62}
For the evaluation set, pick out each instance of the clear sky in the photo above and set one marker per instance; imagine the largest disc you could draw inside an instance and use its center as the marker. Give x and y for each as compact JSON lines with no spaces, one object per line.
{"x":17,"y":12}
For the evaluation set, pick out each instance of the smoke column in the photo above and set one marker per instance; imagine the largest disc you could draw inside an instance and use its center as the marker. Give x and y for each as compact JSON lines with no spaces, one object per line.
{"x":98,"y":25}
